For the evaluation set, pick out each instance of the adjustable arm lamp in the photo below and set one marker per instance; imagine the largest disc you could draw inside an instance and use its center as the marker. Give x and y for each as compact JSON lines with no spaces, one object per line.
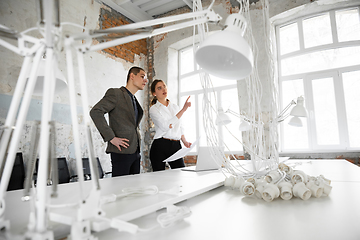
{"x":223,"y":119}
{"x":231,"y":56}
{"x":237,"y":65}
{"x":297,"y":111}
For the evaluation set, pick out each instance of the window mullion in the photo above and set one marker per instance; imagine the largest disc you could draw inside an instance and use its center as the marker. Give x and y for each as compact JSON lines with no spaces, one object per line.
{"x":278,"y":50}
{"x":334,"y":27}
{"x":301,"y":34}
{"x":309,"y":104}
{"x":179,"y":75}
{"x":341,"y":110}
{"x":197,"y":119}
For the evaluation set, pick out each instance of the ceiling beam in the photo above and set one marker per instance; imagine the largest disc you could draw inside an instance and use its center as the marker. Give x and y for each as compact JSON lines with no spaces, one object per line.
{"x":166,"y":8}
{"x":140,"y":2}
{"x":129,"y":10}
{"x":154,"y":4}
{"x":120,"y":2}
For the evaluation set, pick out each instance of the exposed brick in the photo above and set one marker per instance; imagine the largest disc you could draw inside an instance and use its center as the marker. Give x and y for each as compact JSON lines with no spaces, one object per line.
{"x":350,"y":160}
{"x":238,"y":157}
{"x":190,"y":160}
{"x":125,"y":51}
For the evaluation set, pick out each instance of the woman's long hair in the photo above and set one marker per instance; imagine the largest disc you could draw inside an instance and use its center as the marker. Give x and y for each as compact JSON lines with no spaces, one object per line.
{"x":152,"y":88}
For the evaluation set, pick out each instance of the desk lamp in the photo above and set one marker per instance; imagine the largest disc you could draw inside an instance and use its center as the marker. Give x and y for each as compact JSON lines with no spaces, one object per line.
{"x":297,"y":111}
{"x":231,"y":56}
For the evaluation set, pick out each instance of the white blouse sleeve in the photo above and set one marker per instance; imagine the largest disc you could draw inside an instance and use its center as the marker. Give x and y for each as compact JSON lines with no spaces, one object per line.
{"x":159,"y":120}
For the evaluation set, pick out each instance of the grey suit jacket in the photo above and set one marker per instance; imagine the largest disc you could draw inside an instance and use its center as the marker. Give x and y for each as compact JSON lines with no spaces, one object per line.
{"x":118,"y":104}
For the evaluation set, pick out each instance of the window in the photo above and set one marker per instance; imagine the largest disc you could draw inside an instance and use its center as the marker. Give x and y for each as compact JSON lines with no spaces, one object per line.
{"x":226,"y":95}
{"x":318,"y":58}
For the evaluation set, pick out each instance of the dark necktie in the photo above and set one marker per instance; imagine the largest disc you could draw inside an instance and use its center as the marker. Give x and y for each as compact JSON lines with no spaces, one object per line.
{"x":135,"y":108}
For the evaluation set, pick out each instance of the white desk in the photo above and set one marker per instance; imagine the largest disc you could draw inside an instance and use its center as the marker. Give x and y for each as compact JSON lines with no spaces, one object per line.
{"x":129,"y":208}
{"x":226,"y":214}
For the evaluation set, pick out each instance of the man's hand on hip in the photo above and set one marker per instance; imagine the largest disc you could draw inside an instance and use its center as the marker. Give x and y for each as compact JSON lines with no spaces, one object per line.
{"x":120,"y":142}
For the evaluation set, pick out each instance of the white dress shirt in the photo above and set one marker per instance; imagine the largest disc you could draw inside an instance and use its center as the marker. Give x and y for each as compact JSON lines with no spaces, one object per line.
{"x":162,"y":117}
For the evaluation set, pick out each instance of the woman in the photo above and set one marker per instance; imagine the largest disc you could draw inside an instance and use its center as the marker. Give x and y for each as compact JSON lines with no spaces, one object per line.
{"x":168,"y":130}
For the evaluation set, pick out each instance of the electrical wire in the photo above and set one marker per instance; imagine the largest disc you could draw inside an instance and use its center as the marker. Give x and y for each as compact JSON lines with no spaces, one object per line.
{"x":139,"y":191}
{"x":261,"y":147}
{"x":174,"y":214}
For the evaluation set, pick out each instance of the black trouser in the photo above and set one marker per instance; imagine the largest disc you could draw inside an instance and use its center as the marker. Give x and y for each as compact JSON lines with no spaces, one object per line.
{"x":160,"y":150}
{"x":125,"y":164}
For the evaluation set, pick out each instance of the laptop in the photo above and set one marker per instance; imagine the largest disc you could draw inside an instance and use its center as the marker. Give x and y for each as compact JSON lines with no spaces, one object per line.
{"x":205,"y":161}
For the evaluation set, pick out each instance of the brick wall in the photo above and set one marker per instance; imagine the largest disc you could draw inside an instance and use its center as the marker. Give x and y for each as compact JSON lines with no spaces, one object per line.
{"x":190,"y":160}
{"x":354,"y":160}
{"x":127,"y":51}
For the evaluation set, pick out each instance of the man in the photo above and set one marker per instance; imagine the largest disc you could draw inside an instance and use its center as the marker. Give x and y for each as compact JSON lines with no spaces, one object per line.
{"x":122,"y":133}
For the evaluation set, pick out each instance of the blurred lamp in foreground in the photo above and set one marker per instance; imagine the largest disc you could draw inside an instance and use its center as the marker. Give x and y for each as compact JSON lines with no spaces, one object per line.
{"x":226,"y":54}
{"x":61,"y":82}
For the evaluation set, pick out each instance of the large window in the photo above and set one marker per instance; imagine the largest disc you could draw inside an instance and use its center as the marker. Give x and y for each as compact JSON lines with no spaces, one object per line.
{"x":319,"y":58}
{"x":226,"y":95}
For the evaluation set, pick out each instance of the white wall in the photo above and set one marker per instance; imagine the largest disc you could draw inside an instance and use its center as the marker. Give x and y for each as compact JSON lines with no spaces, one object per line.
{"x":102,"y":72}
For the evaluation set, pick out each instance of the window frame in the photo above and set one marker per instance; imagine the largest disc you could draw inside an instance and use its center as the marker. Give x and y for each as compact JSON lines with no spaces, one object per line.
{"x":197,"y":93}
{"x":307,"y":77}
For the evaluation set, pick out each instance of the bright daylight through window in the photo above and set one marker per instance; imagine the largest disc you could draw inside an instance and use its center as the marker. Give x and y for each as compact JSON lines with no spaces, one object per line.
{"x":318,"y":57}
{"x":226,"y":96}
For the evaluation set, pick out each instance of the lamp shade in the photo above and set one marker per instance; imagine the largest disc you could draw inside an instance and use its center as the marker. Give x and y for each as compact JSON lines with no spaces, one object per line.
{"x":222,"y":118}
{"x":299,"y":110}
{"x":61,"y":82}
{"x":295,"y":122}
{"x":226,"y":54}
{"x":244,"y":126}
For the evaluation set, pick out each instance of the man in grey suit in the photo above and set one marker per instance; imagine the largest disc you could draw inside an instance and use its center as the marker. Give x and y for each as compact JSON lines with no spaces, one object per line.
{"x":122,"y":133}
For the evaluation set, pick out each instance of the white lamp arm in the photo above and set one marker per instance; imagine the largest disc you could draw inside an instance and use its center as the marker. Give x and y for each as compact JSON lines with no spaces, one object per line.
{"x":8,"y":32}
{"x":192,"y":19}
{"x":234,"y":113}
{"x":281,"y":117}
{"x":213,"y":17}
{"x":22,"y":41}
{"x":244,"y":118}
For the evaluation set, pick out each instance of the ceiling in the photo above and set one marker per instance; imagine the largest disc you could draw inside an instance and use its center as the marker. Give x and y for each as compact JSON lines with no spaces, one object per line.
{"x":142,"y":10}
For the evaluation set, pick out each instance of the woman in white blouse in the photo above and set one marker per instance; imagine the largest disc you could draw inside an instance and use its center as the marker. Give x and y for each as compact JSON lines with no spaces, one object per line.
{"x":168,"y":130}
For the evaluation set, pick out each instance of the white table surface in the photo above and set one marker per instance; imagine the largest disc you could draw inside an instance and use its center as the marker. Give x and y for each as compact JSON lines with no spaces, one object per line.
{"x":226,"y":214}
{"x":223,"y":213}
{"x":129,"y":208}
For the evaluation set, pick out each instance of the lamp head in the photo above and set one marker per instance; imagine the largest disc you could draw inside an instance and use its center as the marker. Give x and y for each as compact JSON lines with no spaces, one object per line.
{"x":222,"y":118}
{"x":299,"y":110}
{"x":295,"y":122}
{"x":244,"y":126}
{"x":226,"y":54}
